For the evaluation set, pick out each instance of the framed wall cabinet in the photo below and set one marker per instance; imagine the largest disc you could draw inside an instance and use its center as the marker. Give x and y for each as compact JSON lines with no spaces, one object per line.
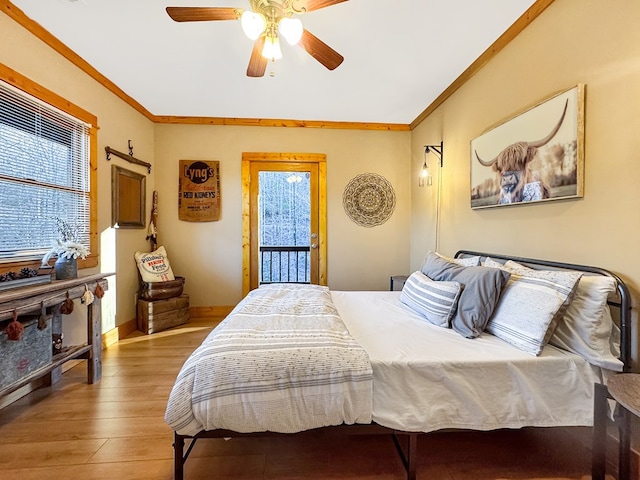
{"x":128,"y":198}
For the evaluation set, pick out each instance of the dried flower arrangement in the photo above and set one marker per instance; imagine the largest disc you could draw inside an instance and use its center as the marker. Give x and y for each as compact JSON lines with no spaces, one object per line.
{"x":68,"y":244}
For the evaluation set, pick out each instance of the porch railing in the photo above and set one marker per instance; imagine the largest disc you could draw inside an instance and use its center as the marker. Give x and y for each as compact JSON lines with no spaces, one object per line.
{"x":285,"y":264}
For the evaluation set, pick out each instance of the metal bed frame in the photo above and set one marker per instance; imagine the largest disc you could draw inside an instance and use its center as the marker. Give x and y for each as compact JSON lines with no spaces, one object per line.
{"x":407,"y":447}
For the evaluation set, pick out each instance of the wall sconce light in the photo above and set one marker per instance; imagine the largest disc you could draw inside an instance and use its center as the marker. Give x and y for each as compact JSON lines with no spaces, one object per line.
{"x":425,"y":175}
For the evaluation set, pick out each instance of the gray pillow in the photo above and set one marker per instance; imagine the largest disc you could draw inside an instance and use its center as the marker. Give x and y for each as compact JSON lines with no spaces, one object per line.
{"x":481,"y":291}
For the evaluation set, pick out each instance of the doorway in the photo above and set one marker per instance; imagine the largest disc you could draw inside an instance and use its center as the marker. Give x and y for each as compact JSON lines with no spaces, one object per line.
{"x":284,"y":219}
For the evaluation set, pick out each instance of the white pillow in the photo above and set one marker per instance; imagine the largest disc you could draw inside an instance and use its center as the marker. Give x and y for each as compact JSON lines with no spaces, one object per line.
{"x":154,"y":266}
{"x":435,"y":301}
{"x":463,"y":262}
{"x":531,"y":304}
{"x":587,"y":327}
{"x":490,"y":262}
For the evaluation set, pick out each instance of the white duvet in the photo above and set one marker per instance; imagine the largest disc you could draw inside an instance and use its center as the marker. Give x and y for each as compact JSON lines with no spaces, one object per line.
{"x":427,"y":378}
{"x":282,"y":361}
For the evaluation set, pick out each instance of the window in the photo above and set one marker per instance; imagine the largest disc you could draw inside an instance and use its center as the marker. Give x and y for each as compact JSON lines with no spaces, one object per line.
{"x":45,"y":174}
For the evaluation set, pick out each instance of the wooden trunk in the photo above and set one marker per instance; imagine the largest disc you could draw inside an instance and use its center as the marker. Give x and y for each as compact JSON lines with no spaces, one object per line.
{"x":155,"y":316}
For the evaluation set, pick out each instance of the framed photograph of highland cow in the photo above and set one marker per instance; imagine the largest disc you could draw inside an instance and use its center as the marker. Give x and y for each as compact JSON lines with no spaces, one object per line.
{"x":535,"y":156}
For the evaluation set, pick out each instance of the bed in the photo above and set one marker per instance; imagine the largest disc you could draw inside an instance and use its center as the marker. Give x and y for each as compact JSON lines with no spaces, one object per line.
{"x":475,"y":342}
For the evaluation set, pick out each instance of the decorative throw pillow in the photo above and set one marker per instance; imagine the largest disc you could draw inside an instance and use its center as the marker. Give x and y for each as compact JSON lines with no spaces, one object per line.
{"x":587,"y":327}
{"x":481,"y":287}
{"x":531,"y":305}
{"x":154,"y":266}
{"x":435,"y":301}
{"x":463,"y":262}
{"x":490,"y":262}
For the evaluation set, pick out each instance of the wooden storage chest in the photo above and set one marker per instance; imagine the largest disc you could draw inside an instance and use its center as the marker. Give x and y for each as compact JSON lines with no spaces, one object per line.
{"x":20,"y":358}
{"x":157,"y":315}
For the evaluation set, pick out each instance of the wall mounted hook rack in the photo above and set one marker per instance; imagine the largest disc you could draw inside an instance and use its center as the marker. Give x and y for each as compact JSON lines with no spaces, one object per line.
{"x":129,"y":158}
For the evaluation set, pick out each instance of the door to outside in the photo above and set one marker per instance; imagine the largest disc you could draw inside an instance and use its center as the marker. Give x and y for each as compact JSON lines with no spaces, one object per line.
{"x":284,"y":221}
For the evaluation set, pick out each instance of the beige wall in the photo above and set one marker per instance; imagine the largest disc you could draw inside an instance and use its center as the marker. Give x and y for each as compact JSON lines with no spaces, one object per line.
{"x":117,"y":123}
{"x":595,"y":42}
{"x":209,"y":255}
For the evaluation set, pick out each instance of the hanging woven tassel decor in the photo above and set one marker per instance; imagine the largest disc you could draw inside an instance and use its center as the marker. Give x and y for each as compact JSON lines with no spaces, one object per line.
{"x":99,"y":291}
{"x":67,"y":306}
{"x":42,"y":319}
{"x":87,"y":296}
{"x":14,"y":329}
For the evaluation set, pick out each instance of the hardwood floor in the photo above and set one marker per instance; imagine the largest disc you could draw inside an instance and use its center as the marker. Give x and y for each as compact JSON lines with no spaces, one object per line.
{"x":115,"y":430}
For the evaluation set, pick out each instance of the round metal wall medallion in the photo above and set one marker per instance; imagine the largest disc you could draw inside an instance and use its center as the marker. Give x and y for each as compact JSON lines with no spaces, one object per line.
{"x":369,"y":199}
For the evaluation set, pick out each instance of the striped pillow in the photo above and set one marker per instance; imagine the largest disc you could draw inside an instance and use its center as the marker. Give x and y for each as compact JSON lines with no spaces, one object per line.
{"x":435,"y":301}
{"x":530,"y":306}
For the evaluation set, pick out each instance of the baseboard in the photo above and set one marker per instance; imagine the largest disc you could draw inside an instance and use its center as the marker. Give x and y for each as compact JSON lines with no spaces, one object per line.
{"x":612,"y":449}
{"x":121,"y":331}
{"x":127,"y":328}
{"x":109,"y":338}
{"x":210,"y":312}
{"x":612,"y":457}
{"x":115,"y":334}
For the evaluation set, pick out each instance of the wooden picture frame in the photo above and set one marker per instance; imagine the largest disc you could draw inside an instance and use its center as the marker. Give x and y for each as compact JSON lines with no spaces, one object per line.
{"x":535,"y":156}
{"x":128,"y":192}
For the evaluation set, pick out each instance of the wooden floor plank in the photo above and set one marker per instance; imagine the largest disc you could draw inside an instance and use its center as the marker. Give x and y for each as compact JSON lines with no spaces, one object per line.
{"x":44,"y":453}
{"x":151,"y":470}
{"x":135,"y":449}
{"x":115,"y":429}
{"x":101,"y":428}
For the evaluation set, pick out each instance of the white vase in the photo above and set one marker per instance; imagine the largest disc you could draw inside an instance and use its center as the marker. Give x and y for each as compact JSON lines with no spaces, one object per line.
{"x":66,"y":268}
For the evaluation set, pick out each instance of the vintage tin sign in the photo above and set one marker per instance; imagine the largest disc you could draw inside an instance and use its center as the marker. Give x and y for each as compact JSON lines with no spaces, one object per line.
{"x":199,"y":191}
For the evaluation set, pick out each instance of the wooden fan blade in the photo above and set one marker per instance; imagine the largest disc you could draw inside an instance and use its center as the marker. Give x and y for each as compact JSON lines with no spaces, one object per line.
{"x":319,"y":50}
{"x":311,"y":5}
{"x":202,"y":14}
{"x":257,"y":63}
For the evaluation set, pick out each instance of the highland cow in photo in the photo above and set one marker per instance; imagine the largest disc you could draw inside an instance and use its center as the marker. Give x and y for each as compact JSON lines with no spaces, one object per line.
{"x":518,"y":181}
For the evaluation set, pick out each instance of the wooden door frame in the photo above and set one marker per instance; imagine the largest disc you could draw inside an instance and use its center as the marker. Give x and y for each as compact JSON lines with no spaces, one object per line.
{"x":248,"y":158}
{"x":254,"y":228}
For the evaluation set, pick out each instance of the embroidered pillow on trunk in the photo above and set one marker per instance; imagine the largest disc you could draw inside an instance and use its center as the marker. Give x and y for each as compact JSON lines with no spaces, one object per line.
{"x":154,"y":266}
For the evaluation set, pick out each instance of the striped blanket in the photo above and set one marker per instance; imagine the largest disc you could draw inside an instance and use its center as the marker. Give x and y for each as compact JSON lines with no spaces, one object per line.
{"x":282,"y":361}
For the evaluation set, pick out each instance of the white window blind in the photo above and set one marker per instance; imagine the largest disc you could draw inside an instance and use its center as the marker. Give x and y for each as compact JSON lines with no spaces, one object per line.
{"x":44,"y":175}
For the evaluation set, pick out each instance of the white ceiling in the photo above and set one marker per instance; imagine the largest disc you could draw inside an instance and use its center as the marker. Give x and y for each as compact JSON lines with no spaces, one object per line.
{"x":399,"y":56}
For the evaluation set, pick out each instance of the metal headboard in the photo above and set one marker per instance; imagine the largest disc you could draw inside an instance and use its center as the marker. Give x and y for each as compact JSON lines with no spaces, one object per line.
{"x":624,"y":297}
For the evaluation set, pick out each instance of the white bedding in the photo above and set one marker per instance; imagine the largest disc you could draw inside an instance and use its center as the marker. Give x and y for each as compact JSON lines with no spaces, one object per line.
{"x":427,"y":378}
{"x":282,"y":361}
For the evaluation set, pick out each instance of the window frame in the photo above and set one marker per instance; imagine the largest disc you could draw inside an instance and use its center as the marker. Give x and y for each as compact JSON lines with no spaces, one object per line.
{"x":19,"y":81}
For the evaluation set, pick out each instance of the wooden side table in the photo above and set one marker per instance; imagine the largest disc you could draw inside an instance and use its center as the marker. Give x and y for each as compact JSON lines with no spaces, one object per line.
{"x":399,"y":279}
{"x":624,"y":388}
{"x":29,"y":300}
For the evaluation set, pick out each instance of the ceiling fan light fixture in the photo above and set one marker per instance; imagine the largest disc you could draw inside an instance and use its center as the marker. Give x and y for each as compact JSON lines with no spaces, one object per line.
{"x":253,"y":24}
{"x":264,"y":24}
{"x":291,"y":29}
{"x":271,"y":48}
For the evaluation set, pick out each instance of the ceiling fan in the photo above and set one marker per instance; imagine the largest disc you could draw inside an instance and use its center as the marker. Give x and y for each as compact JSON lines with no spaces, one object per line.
{"x":264,"y":23}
